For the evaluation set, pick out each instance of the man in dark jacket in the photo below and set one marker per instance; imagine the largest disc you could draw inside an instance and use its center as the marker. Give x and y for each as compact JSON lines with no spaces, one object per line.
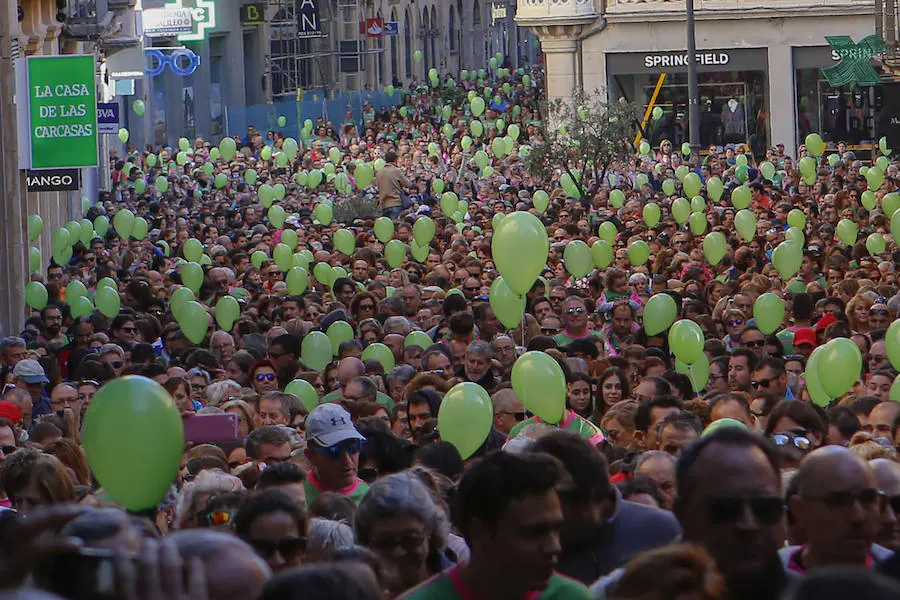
{"x":601,"y":531}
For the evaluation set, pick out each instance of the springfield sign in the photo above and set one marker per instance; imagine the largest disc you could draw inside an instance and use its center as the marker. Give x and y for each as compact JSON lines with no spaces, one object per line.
{"x":62,"y":111}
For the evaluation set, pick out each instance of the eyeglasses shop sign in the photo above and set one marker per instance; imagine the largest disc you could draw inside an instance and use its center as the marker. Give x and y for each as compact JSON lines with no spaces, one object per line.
{"x":62,"y":112}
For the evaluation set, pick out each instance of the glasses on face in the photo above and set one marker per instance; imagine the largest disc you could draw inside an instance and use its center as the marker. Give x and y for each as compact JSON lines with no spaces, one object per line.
{"x":366,"y":307}
{"x":470,"y":288}
{"x":575,"y":310}
{"x":754,"y":343}
{"x":800,"y":442}
{"x":288,"y":547}
{"x":563,"y":215}
{"x":129,"y":329}
{"x":762,"y":382}
{"x":116,"y":364}
{"x":735,"y":322}
{"x":844,"y":500}
{"x":54,"y":275}
{"x":549,"y":330}
{"x":265,"y":377}
{"x":555,"y":299}
{"x":273,"y":273}
{"x":408,"y":541}
{"x":518,"y":415}
{"x":727,"y":510}
{"x":338,"y":450}
{"x":679,"y":242}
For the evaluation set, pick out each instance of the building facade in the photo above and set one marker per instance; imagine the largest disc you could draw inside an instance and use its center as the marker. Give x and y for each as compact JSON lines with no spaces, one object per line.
{"x":759,"y":64}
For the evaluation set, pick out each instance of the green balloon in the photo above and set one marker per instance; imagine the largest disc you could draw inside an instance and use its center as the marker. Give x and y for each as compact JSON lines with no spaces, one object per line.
{"x":228,"y":148}
{"x":508,"y":306}
{"x":638,"y":252}
{"x":714,"y":247}
{"x":192,"y":276}
{"x":540,"y":200}
{"x":323,"y":273}
{"x":266,"y":194}
{"x":681,"y":172}
{"x":741,"y":197}
{"x":133,"y":439}
{"x":339,"y":331}
{"x":324,"y":213}
{"x":289,"y":238}
{"x":698,"y":223}
{"x":892,"y":343}
{"x":194,"y":321}
{"x":107,"y":301}
{"x":344,"y":241}
{"x":477,"y":128}
{"x":34,"y":259}
{"x":283,"y":257}
{"x":395,"y":253}
{"x":36,"y":295}
{"x":384,"y":229}
{"x":686,"y":341}
{"x":258,"y":258}
{"x":578,"y":259}
{"x":692,"y":184}
{"x":875,"y":244}
{"x":304,"y":391}
{"x":681,"y":210}
{"x":108,"y":282}
{"x":617,"y":198}
{"x":811,"y":376}
{"x":796,"y":218}
{"x":840,"y":366}
{"x":61,"y":238}
{"x":874,"y":178}
{"x":381,"y":353}
{"x":35,"y":227}
{"x":364,"y":176}
{"x":423,"y":230}
{"x":889,"y":203}
{"x":297,"y":280}
{"x":520,"y":249}
{"x":787,"y":257}
{"x":768,"y":313}
{"x":419,"y":338}
{"x":807,"y":166}
{"x":539,"y":383}
{"x":466,"y":417}
{"x":140,"y":229}
{"x":80,"y":307}
{"x":87,"y":232}
{"x":101,"y":225}
{"x":179,"y":300}
{"x":715,"y":188}
{"x":847,"y":231}
{"x":651,"y":214}
{"x":74,"y":290}
{"x":745,"y":223}
{"x":220,"y":181}
{"x":668,"y":186}
{"x":607,"y":232}
{"x":767,"y":169}
{"x":602,"y":254}
{"x":659,"y":313}
{"x":742,"y":173}
{"x":227,"y":312}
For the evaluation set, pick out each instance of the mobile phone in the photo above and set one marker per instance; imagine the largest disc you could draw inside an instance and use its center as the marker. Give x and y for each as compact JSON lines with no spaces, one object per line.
{"x":84,"y":574}
{"x":211,"y":429}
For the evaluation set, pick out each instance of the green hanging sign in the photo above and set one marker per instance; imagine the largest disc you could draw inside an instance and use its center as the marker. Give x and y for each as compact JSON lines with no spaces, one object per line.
{"x":854,"y":60}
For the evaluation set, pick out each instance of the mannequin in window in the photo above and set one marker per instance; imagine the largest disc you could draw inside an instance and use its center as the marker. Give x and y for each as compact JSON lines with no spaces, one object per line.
{"x":734,"y":121}
{"x":709,"y":125}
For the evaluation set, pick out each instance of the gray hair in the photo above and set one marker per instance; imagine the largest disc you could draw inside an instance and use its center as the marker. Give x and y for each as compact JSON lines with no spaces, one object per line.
{"x":402,"y":494}
{"x":651,"y":454}
{"x":219,"y":333}
{"x":219,"y":390}
{"x":198,"y":372}
{"x":403,"y":373}
{"x":368,"y":386}
{"x":400,"y":323}
{"x":210,"y":481}
{"x":324,"y":535}
{"x":479,"y":347}
{"x":893,"y":305}
{"x":112,"y":348}
{"x":11,"y":341}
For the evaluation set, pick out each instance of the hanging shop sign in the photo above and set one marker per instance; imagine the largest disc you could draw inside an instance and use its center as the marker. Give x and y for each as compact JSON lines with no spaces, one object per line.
{"x":182,"y":61}
{"x":203,"y":18}
{"x":745,"y":59}
{"x":253,"y":14}
{"x":167,"y":22}
{"x":53,"y":180}
{"x":308,"y":23}
{"x":61,"y":112}
{"x":108,"y":117}
{"x":854,"y":60}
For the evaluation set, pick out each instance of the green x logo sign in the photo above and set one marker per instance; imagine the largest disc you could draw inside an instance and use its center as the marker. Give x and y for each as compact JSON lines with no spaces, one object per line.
{"x":854,"y":60}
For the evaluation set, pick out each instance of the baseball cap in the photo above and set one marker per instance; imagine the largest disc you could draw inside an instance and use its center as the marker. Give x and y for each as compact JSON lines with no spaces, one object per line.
{"x":329,"y":424}
{"x":10,"y":411}
{"x":805,"y":335}
{"x":30,"y":371}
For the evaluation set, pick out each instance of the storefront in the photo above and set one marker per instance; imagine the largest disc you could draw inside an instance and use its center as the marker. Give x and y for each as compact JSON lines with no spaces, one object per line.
{"x":847,"y":113}
{"x":733,"y":85}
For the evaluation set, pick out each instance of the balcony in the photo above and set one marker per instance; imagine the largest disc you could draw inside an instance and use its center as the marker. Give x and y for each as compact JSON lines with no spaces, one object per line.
{"x":785,"y":8}
{"x":542,"y":13}
{"x":886,"y":24}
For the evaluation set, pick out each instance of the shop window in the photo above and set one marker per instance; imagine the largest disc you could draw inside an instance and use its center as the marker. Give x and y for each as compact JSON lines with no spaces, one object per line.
{"x":846,"y":113}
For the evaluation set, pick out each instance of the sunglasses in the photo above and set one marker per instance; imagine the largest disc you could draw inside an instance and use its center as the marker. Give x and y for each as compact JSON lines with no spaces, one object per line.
{"x":129,"y":329}
{"x":801,"y":442}
{"x":575,"y":310}
{"x":265,"y":377}
{"x":727,"y":511}
{"x":735,"y":322}
{"x":216,"y":518}
{"x":116,"y":364}
{"x":336,"y":451}
{"x":366,"y":307}
{"x":762,"y":382}
{"x":754,"y":344}
{"x":844,"y":500}
{"x":549,"y":330}
{"x":409,"y":541}
{"x":287,"y":547}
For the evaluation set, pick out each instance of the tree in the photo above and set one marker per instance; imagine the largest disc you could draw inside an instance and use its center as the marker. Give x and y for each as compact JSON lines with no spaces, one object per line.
{"x":581,"y":137}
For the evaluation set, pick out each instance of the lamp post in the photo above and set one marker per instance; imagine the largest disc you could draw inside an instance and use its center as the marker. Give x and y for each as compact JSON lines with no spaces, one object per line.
{"x":693,"y":89}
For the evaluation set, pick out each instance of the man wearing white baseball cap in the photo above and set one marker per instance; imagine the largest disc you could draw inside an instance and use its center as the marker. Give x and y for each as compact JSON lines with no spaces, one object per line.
{"x":332,"y":449}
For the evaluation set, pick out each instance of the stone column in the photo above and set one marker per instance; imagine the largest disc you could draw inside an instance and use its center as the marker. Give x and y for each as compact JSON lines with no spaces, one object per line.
{"x":560,"y":56}
{"x":782,"y":98}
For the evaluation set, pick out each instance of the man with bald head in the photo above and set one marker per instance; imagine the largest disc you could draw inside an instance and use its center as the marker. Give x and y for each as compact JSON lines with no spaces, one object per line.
{"x":348,"y":368}
{"x":882,"y":418}
{"x":233,"y":569}
{"x":838,"y":508}
{"x":887,"y":477}
{"x":508,"y":410}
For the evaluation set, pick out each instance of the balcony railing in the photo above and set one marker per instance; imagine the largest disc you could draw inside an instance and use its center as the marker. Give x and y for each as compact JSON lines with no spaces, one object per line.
{"x":548,"y":11}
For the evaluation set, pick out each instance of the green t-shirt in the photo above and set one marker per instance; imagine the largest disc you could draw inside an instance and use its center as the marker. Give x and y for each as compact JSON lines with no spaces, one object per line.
{"x":314,"y":487}
{"x":450,"y":586}
{"x":573,"y":422}
{"x":382,"y":399}
{"x":563,"y":339}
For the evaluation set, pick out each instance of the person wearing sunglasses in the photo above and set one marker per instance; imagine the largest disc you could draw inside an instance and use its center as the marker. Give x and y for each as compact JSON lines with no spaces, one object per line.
{"x":838,"y":506}
{"x":770,"y":377}
{"x":123,"y":330}
{"x":263,"y":377}
{"x":332,"y":449}
{"x":508,"y":410}
{"x":575,"y":322}
{"x":796,"y":429}
{"x":753,"y":339}
{"x":275,"y":525}
{"x":887,"y":476}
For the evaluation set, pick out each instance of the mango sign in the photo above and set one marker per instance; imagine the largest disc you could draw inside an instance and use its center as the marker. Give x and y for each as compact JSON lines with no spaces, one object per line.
{"x":62,"y":111}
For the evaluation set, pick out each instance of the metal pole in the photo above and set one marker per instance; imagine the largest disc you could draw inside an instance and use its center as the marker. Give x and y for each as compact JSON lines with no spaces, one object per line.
{"x":693,"y":90}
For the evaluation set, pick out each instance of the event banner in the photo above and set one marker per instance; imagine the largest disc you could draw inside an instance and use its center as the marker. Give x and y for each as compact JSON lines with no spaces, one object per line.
{"x":61,"y":112}
{"x":308,"y":23}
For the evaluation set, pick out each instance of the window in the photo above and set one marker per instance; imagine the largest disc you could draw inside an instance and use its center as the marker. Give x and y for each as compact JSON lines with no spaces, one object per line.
{"x":451,"y":22}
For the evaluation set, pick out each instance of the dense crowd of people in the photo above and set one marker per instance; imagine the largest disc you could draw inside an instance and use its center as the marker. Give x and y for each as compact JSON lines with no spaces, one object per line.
{"x":656,"y":483}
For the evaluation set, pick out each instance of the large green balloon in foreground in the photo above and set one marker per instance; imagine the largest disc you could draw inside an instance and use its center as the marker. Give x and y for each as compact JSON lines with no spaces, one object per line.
{"x":133,"y":439}
{"x":520,"y":250}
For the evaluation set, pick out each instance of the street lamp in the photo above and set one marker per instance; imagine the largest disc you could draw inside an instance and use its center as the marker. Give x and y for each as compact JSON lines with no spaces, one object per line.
{"x":693,"y":88}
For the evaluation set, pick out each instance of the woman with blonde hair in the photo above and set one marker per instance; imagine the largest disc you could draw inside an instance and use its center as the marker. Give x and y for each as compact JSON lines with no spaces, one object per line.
{"x":245,"y":414}
{"x":858,"y":313}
